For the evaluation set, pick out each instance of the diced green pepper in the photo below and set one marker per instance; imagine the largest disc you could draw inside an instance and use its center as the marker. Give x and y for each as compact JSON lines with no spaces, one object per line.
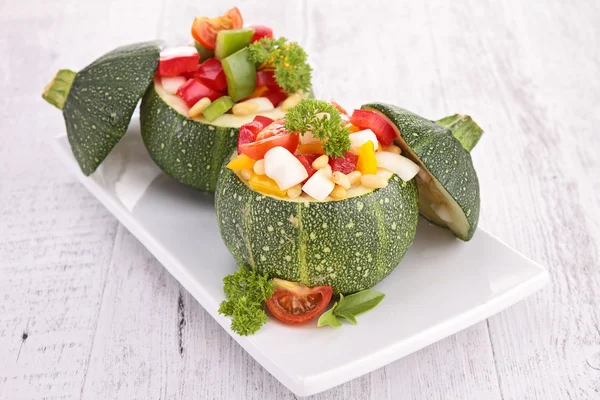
{"x":240,"y":74}
{"x":217,"y":108}
{"x":230,"y":41}
{"x":205,"y":53}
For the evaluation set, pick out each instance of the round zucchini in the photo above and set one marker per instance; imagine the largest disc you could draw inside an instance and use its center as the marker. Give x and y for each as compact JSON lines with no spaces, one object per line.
{"x":191,"y":151}
{"x":448,"y":184}
{"x":98,"y":101}
{"x":350,"y":244}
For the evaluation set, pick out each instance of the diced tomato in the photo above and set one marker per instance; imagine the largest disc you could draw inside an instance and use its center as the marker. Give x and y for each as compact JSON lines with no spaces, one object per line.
{"x":261,"y":31}
{"x":276,"y":96}
{"x":175,"y":66}
{"x":248,"y":133}
{"x":366,"y":119}
{"x":307,"y":160}
{"x":273,"y":135}
{"x":205,"y":30}
{"x":345,"y":164}
{"x":340,"y":108}
{"x":192,"y":91}
{"x":265,"y":121}
{"x":211,"y":73}
{"x":266,"y":78}
{"x":295,"y":303}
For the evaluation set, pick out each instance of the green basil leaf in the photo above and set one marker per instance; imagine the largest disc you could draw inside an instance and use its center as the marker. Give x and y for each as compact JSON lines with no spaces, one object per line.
{"x":359,"y":303}
{"x":349,"y":317}
{"x":327,"y":318}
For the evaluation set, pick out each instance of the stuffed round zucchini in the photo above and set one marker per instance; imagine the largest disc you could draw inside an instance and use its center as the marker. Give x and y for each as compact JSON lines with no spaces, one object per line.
{"x":190,"y":150}
{"x":306,"y":201}
{"x":195,"y":98}
{"x":202,"y":94}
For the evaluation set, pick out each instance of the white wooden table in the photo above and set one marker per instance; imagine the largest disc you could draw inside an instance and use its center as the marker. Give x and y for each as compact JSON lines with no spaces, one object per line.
{"x":87,"y":312}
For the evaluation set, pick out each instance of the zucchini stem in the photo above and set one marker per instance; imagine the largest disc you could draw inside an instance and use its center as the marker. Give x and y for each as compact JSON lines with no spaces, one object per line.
{"x":464,"y":129}
{"x":56,"y":92}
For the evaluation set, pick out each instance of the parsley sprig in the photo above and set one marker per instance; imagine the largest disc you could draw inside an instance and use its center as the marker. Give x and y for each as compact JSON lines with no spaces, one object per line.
{"x":324,"y":121}
{"x":288,"y":60}
{"x":247,"y":291}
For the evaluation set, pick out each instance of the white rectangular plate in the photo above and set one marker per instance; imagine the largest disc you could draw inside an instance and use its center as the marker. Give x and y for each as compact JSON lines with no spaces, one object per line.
{"x":443,"y":285}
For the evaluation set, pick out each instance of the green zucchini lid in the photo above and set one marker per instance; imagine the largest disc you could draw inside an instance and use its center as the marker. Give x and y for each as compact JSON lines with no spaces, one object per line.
{"x":98,"y":101}
{"x":448,"y":184}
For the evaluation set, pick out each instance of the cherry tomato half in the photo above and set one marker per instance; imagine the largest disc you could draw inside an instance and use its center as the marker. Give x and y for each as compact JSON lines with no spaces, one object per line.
{"x":248,"y":132}
{"x":265,"y":121}
{"x":205,"y":30}
{"x":295,"y":303}
{"x":258,"y":149}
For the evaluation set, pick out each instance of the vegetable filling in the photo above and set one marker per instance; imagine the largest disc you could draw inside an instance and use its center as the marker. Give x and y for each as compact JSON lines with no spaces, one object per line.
{"x":315,"y":154}
{"x":233,"y":70}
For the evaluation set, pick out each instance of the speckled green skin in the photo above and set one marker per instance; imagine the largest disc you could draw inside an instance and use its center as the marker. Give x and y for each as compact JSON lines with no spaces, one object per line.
{"x":349,"y":244}
{"x":191,"y":152}
{"x":102,"y":99}
{"x":442,"y":155}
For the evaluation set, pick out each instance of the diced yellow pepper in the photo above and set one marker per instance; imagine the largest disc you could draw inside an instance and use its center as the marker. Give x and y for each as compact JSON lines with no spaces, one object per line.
{"x":367,"y":163}
{"x":265,"y":185}
{"x":311,"y":148}
{"x":241,"y":162}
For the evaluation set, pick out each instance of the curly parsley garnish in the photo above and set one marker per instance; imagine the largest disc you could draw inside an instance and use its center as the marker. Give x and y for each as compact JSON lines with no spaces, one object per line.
{"x":288,"y":60}
{"x":323,"y":120}
{"x":247,"y":291}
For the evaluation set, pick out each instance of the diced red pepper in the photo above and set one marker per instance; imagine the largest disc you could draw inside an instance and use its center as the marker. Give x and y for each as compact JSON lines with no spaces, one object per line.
{"x":266,"y":78}
{"x":248,"y":133}
{"x":265,"y":121}
{"x":211,"y":73}
{"x":307,"y":160}
{"x":366,"y":119}
{"x":261,"y":31}
{"x":188,"y":75}
{"x":276,"y":96}
{"x":345,"y":164}
{"x":192,"y":91}
{"x":175,"y":66}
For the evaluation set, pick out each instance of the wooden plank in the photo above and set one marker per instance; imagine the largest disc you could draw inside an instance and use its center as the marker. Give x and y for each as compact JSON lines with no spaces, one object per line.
{"x":56,"y":240}
{"x":549,"y":346}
